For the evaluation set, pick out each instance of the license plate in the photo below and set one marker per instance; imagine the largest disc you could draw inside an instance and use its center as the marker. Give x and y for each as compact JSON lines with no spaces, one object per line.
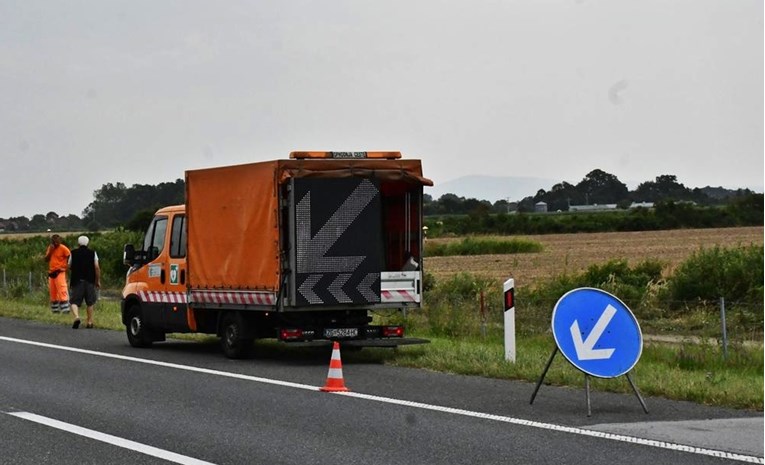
{"x":341,"y":332}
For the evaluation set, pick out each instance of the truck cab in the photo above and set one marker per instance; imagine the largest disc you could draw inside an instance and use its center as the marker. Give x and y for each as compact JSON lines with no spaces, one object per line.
{"x":155,"y":294}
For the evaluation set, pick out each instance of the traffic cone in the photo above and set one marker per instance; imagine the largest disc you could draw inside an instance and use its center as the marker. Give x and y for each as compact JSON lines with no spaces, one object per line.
{"x":335,"y":381}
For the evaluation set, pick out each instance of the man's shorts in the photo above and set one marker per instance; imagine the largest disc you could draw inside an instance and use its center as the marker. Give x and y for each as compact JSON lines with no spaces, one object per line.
{"x":83,"y":290}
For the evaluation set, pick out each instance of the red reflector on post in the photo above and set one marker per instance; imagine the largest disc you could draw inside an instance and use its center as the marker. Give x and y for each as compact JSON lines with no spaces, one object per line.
{"x":393,"y":331}
{"x":509,"y":298}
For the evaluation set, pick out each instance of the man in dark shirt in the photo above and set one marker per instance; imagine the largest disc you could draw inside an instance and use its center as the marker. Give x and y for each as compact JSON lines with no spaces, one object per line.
{"x":85,"y":280}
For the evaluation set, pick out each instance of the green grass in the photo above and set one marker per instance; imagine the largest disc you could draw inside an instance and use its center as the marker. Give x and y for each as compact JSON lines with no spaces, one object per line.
{"x":481,"y":246}
{"x":686,"y":371}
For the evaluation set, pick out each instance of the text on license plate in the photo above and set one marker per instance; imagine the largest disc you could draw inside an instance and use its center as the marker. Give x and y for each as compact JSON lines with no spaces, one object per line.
{"x":341,"y":332}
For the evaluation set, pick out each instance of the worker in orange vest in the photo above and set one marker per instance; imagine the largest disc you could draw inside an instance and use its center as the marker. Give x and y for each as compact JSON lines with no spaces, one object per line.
{"x":57,"y":256}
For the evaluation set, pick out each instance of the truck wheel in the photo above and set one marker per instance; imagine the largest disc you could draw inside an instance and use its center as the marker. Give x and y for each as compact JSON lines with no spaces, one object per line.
{"x":233,"y":341}
{"x":137,"y":333}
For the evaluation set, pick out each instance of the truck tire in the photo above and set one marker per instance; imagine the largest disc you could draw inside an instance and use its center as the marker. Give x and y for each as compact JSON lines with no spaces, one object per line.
{"x":137,"y":333}
{"x":233,"y":340}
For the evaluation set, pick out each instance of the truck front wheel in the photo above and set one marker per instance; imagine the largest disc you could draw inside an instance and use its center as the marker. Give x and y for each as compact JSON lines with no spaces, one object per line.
{"x":137,"y":333}
{"x":234,"y":342}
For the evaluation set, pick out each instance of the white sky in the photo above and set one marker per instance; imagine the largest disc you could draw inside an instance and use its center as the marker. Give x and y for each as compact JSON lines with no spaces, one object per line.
{"x":139,"y":91}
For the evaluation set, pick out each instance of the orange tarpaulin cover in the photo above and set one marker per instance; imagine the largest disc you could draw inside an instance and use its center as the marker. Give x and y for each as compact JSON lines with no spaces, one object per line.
{"x":233,"y":216}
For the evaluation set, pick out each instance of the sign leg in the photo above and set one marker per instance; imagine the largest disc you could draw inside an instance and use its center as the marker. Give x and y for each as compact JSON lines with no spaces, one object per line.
{"x":544,"y":373}
{"x":640,"y":398}
{"x":587,"y":393}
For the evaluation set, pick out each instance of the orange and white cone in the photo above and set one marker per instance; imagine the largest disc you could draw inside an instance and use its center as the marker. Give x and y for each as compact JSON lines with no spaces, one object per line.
{"x":335,"y":381}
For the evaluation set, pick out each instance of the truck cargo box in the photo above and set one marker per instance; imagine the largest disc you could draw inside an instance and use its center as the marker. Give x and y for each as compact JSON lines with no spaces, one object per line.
{"x":307,"y":231}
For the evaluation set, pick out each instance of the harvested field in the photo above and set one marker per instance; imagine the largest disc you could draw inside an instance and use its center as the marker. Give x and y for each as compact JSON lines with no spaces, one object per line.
{"x":572,"y":253}
{"x":26,"y":235}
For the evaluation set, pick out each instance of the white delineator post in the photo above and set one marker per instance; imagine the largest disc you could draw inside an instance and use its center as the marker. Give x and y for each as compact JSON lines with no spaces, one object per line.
{"x":509,"y":289}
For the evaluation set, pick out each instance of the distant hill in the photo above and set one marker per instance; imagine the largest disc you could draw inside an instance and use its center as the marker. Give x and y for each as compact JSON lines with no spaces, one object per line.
{"x":491,"y":188}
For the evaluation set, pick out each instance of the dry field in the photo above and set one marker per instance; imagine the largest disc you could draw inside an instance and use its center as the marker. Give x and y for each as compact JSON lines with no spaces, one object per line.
{"x":25,"y":235}
{"x":571,"y":253}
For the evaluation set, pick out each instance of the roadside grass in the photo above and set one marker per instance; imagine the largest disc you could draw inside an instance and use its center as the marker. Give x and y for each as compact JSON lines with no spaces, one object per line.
{"x":687,"y":371}
{"x":481,"y":246}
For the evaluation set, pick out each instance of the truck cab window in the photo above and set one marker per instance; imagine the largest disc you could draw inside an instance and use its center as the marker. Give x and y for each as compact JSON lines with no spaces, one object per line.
{"x":155,"y":238}
{"x":178,"y":237}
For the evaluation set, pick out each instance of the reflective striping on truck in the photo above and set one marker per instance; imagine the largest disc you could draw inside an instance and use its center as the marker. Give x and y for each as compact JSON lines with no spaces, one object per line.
{"x":209,"y":297}
{"x":232,"y":297}
{"x":162,"y":297}
{"x":399,"y":296}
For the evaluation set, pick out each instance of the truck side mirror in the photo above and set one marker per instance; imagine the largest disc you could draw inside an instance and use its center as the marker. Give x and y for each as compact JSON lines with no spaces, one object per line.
{"x":128,"y":255}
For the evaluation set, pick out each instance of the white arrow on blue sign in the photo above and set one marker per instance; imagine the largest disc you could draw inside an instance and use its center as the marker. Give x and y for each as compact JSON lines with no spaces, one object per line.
{"x":597,"y":332}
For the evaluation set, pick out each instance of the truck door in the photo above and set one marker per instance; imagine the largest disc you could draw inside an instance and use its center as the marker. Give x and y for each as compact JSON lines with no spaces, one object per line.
{"x":175,"y":308}
{"x":156,"y":275}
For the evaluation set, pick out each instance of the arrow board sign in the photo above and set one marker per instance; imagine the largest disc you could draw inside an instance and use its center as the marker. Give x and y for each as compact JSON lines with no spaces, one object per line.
{"x":338,"y":241}
{"x":596,"y":332}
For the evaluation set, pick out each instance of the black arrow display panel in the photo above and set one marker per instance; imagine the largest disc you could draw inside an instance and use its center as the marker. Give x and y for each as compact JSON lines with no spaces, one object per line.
{"x":338,"y":241}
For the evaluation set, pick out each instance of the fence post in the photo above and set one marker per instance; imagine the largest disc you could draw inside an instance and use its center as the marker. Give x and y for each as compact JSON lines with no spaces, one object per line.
{"x":5,"y":284}
{"x":483,"y":316}
{"x":724,"y":328}
{"x":30,"y":282}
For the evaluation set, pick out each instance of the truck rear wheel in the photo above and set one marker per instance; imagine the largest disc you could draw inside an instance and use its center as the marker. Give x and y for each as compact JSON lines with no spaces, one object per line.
{"x":137,"y":333}
{"x":233,"y":340}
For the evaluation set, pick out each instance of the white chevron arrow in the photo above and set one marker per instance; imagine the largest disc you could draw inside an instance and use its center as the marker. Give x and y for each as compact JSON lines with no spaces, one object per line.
{"x":585,"y":349}
{"x":336,"y":288}
{"x":365,"y":287}
{"x":307,"y":289}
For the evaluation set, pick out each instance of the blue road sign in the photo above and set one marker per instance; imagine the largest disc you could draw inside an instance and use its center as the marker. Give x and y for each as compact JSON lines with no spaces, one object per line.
{"x":596,"y":332}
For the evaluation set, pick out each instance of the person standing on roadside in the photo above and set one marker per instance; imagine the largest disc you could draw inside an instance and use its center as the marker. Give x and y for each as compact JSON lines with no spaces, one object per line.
{"x":85,"y":280}
{"x":57,"y":255}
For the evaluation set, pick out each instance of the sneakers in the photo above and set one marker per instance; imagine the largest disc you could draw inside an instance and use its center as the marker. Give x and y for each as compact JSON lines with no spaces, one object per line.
{"x":76,"y":324}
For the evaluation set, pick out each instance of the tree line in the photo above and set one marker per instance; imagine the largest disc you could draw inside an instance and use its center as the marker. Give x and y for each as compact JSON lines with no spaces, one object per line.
{"x":114,"y":205}
{"x":667,"y":214}
{"x":117,"y":205}
{"x":596,"y":188}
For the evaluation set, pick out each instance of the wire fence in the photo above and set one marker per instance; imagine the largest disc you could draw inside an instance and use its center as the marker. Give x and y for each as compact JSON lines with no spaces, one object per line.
{"x":21,"y":284}
{"x":724,"y":322}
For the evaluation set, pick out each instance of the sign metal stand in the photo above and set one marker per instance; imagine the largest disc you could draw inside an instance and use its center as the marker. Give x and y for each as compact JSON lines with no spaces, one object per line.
{"x":613,"y":343}
{"x":586,"y":386}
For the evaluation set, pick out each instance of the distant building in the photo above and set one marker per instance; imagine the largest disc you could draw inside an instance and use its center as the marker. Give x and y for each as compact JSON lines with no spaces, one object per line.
{"x":540,"y":207}
{"x":592,"y":208}
{"x":641,"y":205}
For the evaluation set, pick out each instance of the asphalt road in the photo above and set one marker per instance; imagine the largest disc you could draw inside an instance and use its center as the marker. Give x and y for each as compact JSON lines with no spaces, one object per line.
{"x":85,"y":396}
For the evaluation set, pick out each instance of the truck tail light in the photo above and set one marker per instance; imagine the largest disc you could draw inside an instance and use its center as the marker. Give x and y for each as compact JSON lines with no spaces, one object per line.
{"x":393,"y":331}
{"x":290,"y":334}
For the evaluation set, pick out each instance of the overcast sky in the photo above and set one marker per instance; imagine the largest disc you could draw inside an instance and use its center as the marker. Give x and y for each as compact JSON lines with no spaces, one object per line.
{"x":139,"y":91}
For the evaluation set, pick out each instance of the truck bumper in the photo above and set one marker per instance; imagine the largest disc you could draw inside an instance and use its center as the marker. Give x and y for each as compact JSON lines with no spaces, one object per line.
{"x":390,"y":343}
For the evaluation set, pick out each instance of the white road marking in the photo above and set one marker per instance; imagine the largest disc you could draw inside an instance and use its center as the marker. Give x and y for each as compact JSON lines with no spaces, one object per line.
{"x":109,"y":439}
{"x":420,"y":405}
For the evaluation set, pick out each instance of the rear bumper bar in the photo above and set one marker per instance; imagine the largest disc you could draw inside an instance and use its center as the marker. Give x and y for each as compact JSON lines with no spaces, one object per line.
{"x":392,"y":342}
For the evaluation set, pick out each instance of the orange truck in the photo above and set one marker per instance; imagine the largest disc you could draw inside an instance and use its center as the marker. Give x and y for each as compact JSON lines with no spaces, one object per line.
{"x":303,"y":250}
